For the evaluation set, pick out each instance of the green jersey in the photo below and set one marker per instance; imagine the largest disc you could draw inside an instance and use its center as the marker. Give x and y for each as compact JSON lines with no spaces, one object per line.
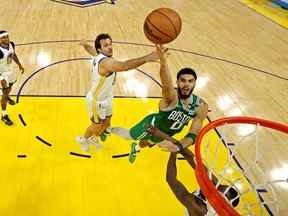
{"x":170,"y":122}
{"x":173,"y":121}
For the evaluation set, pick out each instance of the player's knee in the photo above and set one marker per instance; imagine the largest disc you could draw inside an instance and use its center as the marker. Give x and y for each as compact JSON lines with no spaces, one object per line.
{"x":94,"y":125}
{"x":143,"y":143}
{"x":4,"y":96}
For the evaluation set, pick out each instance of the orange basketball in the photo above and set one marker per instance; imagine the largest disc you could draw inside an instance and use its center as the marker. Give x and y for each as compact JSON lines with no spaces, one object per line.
{"x":162,"y":25}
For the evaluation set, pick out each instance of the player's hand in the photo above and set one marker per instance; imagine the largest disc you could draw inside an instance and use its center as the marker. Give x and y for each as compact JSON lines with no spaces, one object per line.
{"x":21,"y":69}
{"x":202,"y":111}
{"x":154,"y":56}
{"x":169,"y":146}
{"x":162,"y":52}
{"x":83,"y":43}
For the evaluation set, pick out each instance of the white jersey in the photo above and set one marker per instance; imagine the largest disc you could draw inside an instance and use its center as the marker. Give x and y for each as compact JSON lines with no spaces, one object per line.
{"x":6,"y":60}
{"x":101,"y":86}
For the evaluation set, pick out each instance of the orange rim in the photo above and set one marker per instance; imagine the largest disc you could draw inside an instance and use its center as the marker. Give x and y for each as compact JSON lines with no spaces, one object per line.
{"x":221,"y":206}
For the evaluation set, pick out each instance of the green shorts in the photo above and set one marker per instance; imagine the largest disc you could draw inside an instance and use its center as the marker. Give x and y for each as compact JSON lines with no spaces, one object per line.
{"x":138,"y":131}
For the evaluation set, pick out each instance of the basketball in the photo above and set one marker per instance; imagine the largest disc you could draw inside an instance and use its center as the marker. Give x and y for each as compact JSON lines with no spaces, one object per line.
{"x":162,"y":25}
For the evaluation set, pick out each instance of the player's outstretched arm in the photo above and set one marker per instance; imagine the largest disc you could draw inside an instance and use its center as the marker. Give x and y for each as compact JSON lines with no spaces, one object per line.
{"x":169,"y":94}
{"x":196,"y":125}
{"x":187,"y":199}
{"x":16,"y":60}
{"x":189,"y":156}
{"x":109,"y":65}
{"x":88,"y":48}
{"x":176,"y":186}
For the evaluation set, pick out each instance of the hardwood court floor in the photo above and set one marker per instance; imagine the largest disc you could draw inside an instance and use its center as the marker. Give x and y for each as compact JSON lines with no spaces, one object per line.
{"x":239,"y":55}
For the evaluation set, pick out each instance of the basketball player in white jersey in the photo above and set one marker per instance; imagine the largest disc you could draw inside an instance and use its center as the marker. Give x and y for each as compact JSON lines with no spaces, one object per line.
{"x":195,"y":202}
{"x":99,"y":97}
{"x":7,"y":75}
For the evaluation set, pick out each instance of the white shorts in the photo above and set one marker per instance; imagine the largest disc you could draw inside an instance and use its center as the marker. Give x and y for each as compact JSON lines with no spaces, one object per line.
{"x":98,"y":109}
{"x":10,"y":77}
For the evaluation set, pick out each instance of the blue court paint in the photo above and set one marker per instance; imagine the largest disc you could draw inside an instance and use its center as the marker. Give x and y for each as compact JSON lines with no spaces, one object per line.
{"x":282,"y":3}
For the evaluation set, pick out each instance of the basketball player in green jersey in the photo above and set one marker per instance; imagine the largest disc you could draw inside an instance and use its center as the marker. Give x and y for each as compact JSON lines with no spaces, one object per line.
{"x":176,"y":108}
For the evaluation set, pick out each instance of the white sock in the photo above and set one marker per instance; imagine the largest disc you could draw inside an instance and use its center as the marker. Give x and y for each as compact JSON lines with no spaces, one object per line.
{"x":108,"y":129}
{"x":4,"y":112}
{"x":137,"y":147}
{"x":124,"y":133}
{"x":81,"y":139}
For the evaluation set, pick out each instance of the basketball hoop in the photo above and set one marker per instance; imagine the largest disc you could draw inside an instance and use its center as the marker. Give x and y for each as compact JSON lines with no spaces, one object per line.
{"x":205,"y":166}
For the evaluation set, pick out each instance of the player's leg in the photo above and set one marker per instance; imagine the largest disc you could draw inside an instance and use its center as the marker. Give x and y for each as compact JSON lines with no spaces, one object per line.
{"x":11,"y":78}
{"x":122,"y":132}
{"x":97,"y":127}
{"x":144,"y":143}
{"x":92,"y":133}
{"x":4,"y":100}
{"x":10,"y":100}
{"x":138,"y":132}
{"x":135,"y":147}
{"x":108,"y":113}
{"x":125,"y":133}
{"x":97,"y":114}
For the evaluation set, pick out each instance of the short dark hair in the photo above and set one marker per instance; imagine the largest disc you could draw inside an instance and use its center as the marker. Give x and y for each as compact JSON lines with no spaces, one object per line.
{"x":187,"y":71}
{"x":1,"y":32}
{"x":99,"y":38}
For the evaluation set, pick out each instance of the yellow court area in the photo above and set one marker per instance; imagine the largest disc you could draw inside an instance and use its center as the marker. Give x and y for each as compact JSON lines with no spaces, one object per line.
{"x":265,"y":7}
{"x":51,"y":181}
{"x":241,"y":72}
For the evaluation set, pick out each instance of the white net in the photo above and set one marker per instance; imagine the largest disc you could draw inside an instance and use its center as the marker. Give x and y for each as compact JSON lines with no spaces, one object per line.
{"x":253,"y":160}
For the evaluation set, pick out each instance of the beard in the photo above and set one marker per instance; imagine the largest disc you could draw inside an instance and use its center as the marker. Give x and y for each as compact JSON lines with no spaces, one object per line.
{"x":109,"y":54}
{"x":182,"y":96}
